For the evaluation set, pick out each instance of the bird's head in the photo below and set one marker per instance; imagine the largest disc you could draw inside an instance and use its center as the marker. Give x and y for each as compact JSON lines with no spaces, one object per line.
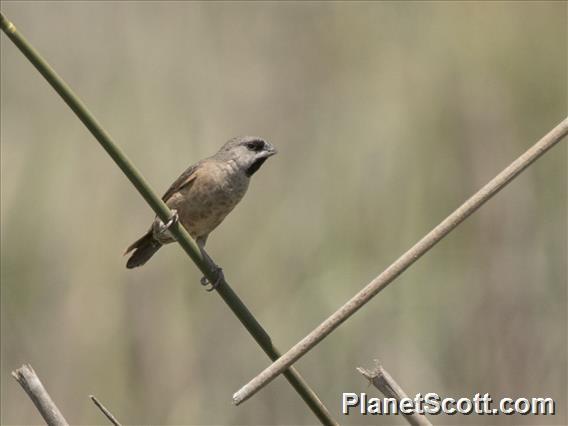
{"x":248,"y":152}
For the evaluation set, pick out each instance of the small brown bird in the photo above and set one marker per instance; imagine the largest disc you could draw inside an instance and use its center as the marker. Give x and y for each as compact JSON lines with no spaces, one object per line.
{"x":204,"y":195}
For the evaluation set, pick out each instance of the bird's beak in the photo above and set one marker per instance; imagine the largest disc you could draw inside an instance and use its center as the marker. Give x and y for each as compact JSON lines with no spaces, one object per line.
{"x":269,"y":149}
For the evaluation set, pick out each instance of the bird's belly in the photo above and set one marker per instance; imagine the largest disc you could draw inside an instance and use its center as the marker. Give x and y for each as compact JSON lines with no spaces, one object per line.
{"x":205,"y":204}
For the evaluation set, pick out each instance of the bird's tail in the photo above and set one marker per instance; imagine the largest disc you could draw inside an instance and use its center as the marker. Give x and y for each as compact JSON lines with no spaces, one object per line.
{"x":144,"y":248}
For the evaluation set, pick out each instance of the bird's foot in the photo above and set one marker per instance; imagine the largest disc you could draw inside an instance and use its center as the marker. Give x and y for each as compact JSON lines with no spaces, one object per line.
{"x":163,"y":227}
{"x":220,"y":277}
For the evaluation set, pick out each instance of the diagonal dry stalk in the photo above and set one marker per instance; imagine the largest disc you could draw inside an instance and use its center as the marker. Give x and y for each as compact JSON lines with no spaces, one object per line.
{"x":403,"y":262}
{"x":28,"y":379}
{"x":105,"y":411}
{"x":383,"y":381}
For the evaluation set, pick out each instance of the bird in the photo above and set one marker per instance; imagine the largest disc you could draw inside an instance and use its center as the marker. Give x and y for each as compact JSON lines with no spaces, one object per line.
{"x":204,"y":194}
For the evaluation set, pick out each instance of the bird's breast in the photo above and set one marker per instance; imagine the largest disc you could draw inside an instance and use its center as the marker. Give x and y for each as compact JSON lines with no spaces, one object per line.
{"x":216,"y":190}
{"x":224,"y":183}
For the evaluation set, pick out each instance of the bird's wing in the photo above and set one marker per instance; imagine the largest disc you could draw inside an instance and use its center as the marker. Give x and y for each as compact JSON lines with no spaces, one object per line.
{"x":185,"y":179}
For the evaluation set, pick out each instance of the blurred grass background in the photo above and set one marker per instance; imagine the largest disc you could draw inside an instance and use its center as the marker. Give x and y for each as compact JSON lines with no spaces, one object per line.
{"x":386,"y":115}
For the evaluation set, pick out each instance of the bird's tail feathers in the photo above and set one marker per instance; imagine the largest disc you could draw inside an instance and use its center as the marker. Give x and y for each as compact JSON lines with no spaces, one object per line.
{"x":144,"y":248}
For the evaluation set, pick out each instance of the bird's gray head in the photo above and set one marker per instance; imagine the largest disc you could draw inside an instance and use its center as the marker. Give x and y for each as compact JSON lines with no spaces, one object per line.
{"x":248,"y":152}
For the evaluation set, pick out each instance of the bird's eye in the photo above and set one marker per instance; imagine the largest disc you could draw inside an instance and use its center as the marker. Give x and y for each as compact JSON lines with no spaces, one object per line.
{"x":255,"y":145}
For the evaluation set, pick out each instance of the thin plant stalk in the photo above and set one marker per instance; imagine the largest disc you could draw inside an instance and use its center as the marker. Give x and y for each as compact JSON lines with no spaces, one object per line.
{"x":201,"y":259}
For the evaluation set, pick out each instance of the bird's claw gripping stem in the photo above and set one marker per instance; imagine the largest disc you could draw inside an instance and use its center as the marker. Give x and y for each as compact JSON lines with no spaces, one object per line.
{"x":220,"y":277}
{"x":174,"y":218}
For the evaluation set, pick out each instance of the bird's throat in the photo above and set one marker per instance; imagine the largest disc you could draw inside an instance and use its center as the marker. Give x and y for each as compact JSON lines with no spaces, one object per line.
{"x":255,"y":166}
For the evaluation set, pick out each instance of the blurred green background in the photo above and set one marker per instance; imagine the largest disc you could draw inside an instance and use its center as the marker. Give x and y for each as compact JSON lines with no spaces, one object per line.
{"x":387,"y":117}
